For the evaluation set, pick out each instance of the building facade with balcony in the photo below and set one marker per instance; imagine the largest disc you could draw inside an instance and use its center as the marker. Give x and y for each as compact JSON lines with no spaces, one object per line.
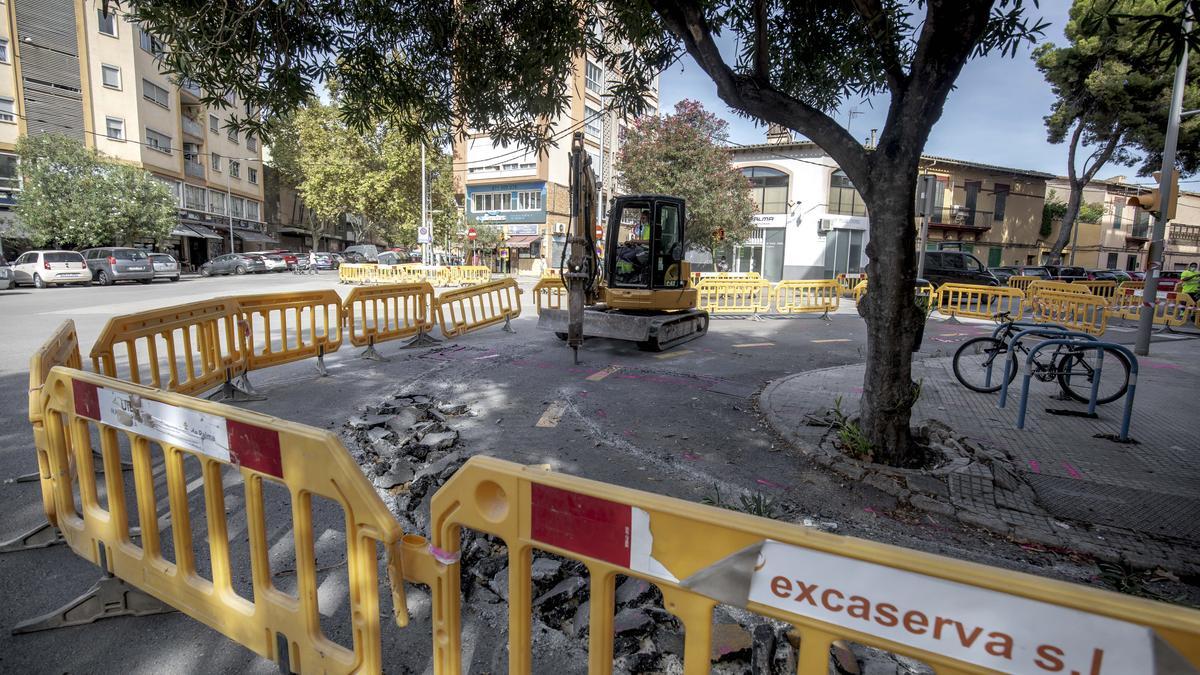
{"x":812,"y":222}
{"x":526,"y":194}
{"x":1119,"y":240}
{"x":77,"y":70}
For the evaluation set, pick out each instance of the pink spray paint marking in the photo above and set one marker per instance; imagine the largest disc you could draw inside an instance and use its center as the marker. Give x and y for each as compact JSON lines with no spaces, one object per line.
{"x":601,"y":413}
{"x":1072,"y":471}
{"x":856,"y":390}
{"x":766,"y":483}
{"x":1035,"y":466}
{"x":1159,"y":365}
{"x":691,"y":456}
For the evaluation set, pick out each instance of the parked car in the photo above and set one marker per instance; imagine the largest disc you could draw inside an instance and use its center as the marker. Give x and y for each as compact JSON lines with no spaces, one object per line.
{"x":328,"y":261}
{"x":1168,"y":280}
{"x":1003,"y":273}
{"x":165,"y":266}
{"x":1120,"y":275}
{"x":233,"y":263}
{"x":957,"y":267}
{"x":47,"y":268}
{"x":1024,"y":271}
{"x":389,"y":258}
{"x":367,"y":251}
{"x":1066,"y":272}
{"x":1101,"y":275}
{"x":1136,"y":275}
{"x":288,"y":257}
{"x":110,"y":265}
{"x":6,"y":275}
{"x":275,"y":262}
{"x":354,"y":257}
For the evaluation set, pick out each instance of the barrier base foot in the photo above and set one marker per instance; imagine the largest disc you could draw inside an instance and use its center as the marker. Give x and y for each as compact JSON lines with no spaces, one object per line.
{"x":232,"y":392}
{"x":1073,"y":413}
{"x":507,"y":327}
{"x":421,"y":339}
{"x":39,"y":537}
{"x":110,"y":597}
{"x":25,"y":478}
{"x":371,"y":354}
{"x":755,"y":317}
{"x":321,"y":366}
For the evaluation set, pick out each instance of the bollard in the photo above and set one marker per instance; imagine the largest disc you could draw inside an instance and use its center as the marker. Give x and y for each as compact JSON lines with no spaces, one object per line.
{"x":1012,"y":353}
{"x":1093,"y":344}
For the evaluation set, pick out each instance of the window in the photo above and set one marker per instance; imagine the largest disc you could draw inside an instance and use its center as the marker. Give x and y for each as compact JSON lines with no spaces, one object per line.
{"x":1131,"y":262}
{"x":252,"y":175}
{"x":768,"y":189}
{"x":107,"y":22}
{"x":235,"y":206}
{"x":193,"y":197}
{"x":215,"y":161}
{"x":1118,"y":212}
{"x":172,"y":185}
{"x":597,"y":165}
{"x":114,"y":128}
{"x":157,"y":141}
{"x":232,"y":135}
{"x":214,"y":124}
{"x":110,"y":76}
{"x":491,"y":201}
{"x":592,"y":124}
{"x":151,"y":44}
{"x":216,"y":202}
{"x":251,"y":209}
{"x":843,"y":198}
{"x":156,"y":94}
{"x":1112,"y":261}
{"x":8,"y":111}
{"x":529,"y":200}
{"x":235,"y":169}
{"x":251,"y":142}
{"x":593,"y":77}
{"x":971,"y":189}
{"x":191,"y":153}
{"x":3,"y":50}
{"x":8,"y":171}
{"x":1001,"y":202}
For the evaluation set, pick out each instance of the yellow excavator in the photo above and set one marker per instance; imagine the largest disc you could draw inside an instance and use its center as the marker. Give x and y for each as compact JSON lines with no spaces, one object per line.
{"x":639,"y":289}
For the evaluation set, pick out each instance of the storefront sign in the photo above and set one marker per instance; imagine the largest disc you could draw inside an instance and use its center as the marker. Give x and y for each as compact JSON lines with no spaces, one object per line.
{"x":769,"y":220}
{"x":522,"y":228}
{"x":492,"y":218}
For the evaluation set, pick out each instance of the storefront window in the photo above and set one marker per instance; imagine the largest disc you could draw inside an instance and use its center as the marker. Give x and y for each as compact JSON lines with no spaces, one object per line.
{"x":768,"y":189}
{"x":843,"y":197}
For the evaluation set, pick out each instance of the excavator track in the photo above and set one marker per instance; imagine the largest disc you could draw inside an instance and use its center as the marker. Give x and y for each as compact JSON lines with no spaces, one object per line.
{"x":650,"y":331}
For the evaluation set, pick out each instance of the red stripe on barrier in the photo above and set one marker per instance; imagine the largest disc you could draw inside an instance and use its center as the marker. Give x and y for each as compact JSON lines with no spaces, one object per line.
{"x":254,"y":448}
{"x":87,"y":399}
{"x":586,"y":525}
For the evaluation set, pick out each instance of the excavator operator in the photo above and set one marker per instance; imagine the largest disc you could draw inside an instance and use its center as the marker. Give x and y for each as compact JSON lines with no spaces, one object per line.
{"x":633,"y":254}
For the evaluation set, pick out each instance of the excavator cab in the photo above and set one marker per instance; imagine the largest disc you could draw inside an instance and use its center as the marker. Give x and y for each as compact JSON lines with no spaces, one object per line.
{"x":644,"y":266}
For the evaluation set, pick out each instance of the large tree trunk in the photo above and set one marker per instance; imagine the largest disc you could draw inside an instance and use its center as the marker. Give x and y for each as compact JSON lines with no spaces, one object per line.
{"x":892,"y":317}
{"x":1068,"y":223}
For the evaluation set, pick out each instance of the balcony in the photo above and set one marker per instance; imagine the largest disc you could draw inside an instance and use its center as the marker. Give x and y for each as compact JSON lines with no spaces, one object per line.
{"x":193,"y":169}
{"x":1184,"y":235}
{"x":189,"y":92}
{"x":1138,"y":234}
{"x":961,"y":218}
{"x":192,"y":128}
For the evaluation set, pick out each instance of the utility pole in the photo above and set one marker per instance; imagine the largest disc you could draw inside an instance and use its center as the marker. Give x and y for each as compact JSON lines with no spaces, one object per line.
{"x":424,"y":215}
{"x":1166,"y":184}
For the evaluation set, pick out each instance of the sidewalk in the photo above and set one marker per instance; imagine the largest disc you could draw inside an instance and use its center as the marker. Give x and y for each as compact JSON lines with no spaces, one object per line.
{"x":1055,"y":483}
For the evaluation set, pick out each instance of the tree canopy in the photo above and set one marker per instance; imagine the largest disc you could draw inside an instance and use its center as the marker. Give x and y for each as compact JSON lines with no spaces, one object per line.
{"x":1112,"y":94}
{"x":73,"y":196}
{"x":684,"y":154}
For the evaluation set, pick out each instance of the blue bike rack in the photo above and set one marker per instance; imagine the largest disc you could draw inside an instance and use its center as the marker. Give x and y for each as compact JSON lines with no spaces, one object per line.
{"x":1052,"y":331}
{"x":1099,"y":347}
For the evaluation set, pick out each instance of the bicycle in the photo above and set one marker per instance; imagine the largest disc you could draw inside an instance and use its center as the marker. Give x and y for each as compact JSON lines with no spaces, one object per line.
{"x":1073,"y":368}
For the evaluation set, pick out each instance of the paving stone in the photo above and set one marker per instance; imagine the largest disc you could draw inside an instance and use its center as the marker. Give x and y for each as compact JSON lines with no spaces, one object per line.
{"x":883,"y":484}
{"x":927,"y":485}
{"x":990,"y":523}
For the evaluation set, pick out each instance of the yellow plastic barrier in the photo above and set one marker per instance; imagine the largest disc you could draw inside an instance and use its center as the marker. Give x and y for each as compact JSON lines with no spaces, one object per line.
{"x":859,"y":290}
{"x":734,"y":296}
{"x":303,"y":460}
{"x":467,"y":309}
{"x":1077,"y":311}
{"x":1056,"y":286}
{"x":393,"y":274}
{"x":200,"y":344}
{"x":827,"y":586}
{"x":549,"y":292}
{"x":357,"y":273}
{"x":980,"y":302}
{"x":470,"y":275}
{"x":1170,"y":309}
{"x":287,"y":327}
{"x":61,"y":349}
{"x":388,"y":312}
{"x":1022,"y":283}
{"x":1099,"y":288}
{"x":849,"y":281}
{"x":793,"y":297}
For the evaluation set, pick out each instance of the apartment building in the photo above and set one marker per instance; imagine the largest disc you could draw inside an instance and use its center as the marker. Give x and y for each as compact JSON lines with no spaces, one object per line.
{"x":70,"y":68}
{"x":812,"y":222}
{"x":526,"y":193}
{"x":1119,"y":239}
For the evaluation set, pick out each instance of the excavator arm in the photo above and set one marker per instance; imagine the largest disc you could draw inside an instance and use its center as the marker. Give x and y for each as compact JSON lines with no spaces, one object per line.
{"x":581,"y":268}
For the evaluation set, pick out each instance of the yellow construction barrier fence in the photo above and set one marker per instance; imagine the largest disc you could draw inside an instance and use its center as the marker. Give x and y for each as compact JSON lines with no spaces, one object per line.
{"x":549,"y":292}
{"x":1099,"y":288}
{"x":979,"y":302}
{"x":1170,"y":309}
{"x":848,"y":282}
{"x":1021,"y":283}
{"x":792,"y":297}
{"x":734,"y":296}
{"x":467,"y":309}
{"x":388,"y":312}
{"x":470,"y":275}
{"x":357,"y":273}
{"x":1077,"y":311}
{"x":286,"y":327}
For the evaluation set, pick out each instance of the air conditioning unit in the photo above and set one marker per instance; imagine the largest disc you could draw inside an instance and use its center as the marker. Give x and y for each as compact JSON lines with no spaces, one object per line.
{"x":560,"y":228}
{"x":824,"y":225}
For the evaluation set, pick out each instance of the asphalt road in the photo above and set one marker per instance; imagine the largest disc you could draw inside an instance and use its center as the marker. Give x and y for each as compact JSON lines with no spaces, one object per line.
{"x":681,"y":423}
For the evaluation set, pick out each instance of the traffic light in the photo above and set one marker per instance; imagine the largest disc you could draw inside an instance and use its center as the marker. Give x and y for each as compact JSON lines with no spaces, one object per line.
{"x":1152,"y":201}
{"x":720,"y":234}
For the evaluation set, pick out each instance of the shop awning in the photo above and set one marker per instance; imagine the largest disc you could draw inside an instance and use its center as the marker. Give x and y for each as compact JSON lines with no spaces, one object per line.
{"x":250,"y":235}
{"x":196,"y":230}
{"x":521,"y":240}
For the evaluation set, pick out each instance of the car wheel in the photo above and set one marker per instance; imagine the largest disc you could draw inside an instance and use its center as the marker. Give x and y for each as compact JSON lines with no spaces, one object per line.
{"x":177,"y":278}
{"x":145,"y":281}
{"x":204,"y":272}
{"x":38,"y":282}
{"x":103,"y":278}
{"x":240,"y":269}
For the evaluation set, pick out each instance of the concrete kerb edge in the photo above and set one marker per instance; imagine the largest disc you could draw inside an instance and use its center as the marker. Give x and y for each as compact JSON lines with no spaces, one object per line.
{"x":888,"y":480}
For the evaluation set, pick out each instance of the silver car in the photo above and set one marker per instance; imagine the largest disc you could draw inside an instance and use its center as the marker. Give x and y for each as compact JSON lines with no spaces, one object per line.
{"x":165,"y":266}
{"x":110,"y":265}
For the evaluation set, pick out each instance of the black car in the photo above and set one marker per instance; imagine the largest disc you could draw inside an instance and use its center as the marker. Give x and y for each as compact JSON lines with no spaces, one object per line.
{"x":957,"y":267}
{"x":1066,"y":273}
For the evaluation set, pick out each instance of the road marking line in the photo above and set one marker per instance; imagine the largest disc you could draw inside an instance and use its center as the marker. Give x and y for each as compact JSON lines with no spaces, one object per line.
{"x":553,"y":414}
{"x":755,"y":344}
{"x":600,"y":375}
{"x":832,"y":340}
{"x":671,"y":355}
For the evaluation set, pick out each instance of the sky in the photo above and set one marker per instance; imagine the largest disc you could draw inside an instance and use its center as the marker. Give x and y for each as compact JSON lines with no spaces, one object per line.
{"x":994,"y":115}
